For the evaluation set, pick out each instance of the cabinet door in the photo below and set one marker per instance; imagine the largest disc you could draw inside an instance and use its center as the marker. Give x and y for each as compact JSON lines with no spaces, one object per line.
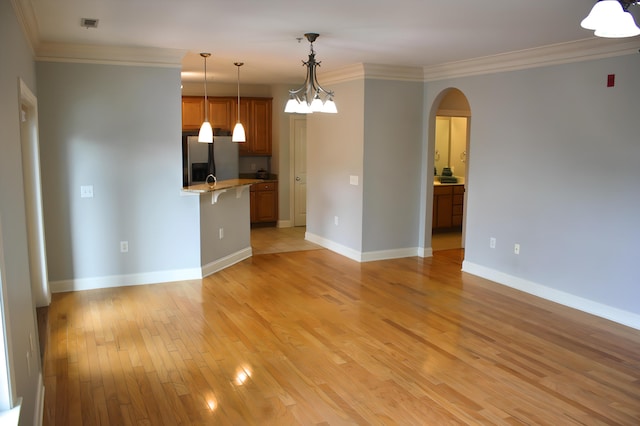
{"x":221,"y":113}
{"x":266,"y":206}
{"x":192,"y":112}
{"x":261,"y":126}
{"x":444,"y":211}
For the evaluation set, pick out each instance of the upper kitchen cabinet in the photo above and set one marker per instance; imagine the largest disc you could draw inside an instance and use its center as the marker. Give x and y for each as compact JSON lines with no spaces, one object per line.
{"x":255,"y":115}
{"x":192,"y":112}
{"x":220,"y":112}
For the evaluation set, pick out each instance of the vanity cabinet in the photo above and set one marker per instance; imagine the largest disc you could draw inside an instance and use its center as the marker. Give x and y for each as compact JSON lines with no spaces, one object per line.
{"x":448,"y":207}
{"x":264,"y":202}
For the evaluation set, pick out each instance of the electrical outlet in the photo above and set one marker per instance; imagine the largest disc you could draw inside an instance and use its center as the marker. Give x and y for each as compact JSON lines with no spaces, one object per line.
{"x":253,"y":166}
{"x":492,"y":242}
{"x":124,"y":246}
{"x":221,"y":233}
{"x":86,"y":191}
{"x":516,"y":248}
{"x":336,"y":220}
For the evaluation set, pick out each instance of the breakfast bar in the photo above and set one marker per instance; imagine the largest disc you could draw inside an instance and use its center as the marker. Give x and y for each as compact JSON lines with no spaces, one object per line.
{"x":225,"y":228}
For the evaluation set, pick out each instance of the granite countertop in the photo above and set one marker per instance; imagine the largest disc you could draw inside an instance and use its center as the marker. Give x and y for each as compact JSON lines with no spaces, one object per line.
{"x":220,"y":185}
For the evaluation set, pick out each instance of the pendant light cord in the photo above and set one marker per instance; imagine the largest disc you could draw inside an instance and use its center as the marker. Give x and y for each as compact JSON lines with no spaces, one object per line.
{"x":238,"y":64}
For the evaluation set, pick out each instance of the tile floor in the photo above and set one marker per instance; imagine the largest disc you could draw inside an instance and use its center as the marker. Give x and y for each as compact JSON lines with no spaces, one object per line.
{"x":280,"y":240}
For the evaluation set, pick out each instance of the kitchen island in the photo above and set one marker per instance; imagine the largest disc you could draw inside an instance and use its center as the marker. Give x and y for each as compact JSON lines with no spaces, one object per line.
{"x":225,"y":228}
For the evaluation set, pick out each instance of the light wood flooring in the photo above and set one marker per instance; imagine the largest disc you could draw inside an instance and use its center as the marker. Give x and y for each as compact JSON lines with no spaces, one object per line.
{"x":313,"y":338}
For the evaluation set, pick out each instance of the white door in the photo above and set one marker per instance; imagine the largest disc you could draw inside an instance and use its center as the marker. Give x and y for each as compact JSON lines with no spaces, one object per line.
{"x":300,"y":172}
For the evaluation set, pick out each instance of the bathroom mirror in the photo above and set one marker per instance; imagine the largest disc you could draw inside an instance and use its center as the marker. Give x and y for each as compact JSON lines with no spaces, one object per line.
{"x":451,"y":145}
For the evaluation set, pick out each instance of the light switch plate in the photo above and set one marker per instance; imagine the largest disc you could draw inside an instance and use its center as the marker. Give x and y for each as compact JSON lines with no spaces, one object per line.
{"x":353,"y":180}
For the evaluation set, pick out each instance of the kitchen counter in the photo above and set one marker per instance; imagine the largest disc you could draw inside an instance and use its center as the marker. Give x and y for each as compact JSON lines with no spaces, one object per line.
{"x":202,"y":188}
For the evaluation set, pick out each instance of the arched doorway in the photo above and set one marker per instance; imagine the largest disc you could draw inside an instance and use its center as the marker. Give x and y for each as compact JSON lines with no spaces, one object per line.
{"x":449,"y":148}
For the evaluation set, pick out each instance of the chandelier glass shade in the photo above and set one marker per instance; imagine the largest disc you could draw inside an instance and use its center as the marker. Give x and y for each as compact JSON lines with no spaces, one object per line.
{"x":311,"y":97}
{"x":206,"y":132}
{"x":238,"y":130}
{"x":611,"y":19}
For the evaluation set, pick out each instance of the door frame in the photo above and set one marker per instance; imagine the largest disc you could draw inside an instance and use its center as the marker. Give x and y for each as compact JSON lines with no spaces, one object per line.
{"x":31,"y":173}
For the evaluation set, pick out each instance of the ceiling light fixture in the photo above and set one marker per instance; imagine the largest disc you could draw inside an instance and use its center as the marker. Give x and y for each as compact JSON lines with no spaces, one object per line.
{"x":611,"y":19}
{"x":206,"y":132}
{"x":238,"y":130}
{"x":308,"y":98}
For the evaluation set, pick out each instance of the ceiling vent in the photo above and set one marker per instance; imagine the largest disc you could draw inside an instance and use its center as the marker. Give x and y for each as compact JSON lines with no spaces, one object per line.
{"x":90,"y":23}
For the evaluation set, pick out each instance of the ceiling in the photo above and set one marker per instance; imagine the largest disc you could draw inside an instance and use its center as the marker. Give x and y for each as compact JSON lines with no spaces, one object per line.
{"x":263,"y":34}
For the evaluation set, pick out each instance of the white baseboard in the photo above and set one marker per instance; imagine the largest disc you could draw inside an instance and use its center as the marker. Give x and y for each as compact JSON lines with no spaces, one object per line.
{"x":359,"y":256}
{"x":370,"y":256}
{"x":39,"y":414}
{"x":125,"y":280}
{"x":226,"y":261}
{"x":585,"y":305}
{"x":335,"y":247}
{"x":150,"y":277}
{"x":285,"y":224}
{"x":425,"y":252}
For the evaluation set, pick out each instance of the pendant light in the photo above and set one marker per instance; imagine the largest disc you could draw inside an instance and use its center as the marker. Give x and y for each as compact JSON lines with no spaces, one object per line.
{"x":238,"y":130}
{"x":206,"y":132}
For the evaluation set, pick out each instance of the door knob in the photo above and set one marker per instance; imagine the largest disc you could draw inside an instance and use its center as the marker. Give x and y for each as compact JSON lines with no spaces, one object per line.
{"x":298,"y":178}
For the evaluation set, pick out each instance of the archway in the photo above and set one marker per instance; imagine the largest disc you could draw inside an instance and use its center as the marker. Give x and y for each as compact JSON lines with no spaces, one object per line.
{"x":450,"y":122}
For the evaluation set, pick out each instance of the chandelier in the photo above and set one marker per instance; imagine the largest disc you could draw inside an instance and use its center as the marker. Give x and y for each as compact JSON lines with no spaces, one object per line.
{"x":611,"y":19}
{"x":311,"y":97}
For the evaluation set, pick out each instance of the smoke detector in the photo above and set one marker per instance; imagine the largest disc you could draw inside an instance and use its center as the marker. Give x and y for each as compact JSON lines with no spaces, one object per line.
{"x":89,"y":23}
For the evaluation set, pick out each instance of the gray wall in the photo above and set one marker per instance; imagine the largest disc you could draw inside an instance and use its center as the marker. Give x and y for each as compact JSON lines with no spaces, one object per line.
{"x":392,"y":163}
{"x":553,"y":166}
{"x":17,"y":62}
{"x":335,"y":147}
{"x":117,"y":128}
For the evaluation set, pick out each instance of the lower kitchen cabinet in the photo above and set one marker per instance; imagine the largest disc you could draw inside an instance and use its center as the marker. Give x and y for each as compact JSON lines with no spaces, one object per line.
{"x":264,"y":202}
{"x":448,"y":207}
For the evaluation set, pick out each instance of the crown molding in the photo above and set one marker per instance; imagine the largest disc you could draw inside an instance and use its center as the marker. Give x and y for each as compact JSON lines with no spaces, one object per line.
{"x":112,"y":55}
{"x":555,"y":54}
{"x":27,"y":20}
{"x":373,"y":71}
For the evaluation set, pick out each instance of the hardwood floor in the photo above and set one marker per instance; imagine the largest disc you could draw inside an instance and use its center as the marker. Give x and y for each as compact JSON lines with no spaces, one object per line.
{"x":312,"y":337}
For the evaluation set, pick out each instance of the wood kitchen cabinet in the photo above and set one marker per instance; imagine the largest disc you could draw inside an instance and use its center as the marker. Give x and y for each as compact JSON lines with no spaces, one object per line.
{"x":448,"y":207}
{"x":264,"y":202}
{"x":221,"y":114}
{"x":255,"y":116}
{"x":192,"y":112}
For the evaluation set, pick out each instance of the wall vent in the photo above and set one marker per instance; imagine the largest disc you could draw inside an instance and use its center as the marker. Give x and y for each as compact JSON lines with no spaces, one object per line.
{"x":90,"y":23}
